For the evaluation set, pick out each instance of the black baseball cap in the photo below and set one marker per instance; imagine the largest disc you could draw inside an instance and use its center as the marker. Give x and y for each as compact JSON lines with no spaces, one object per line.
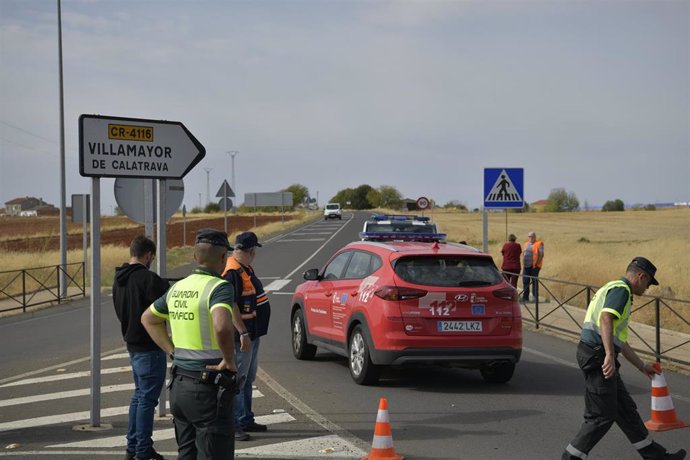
{"x":246,"y":240}
{"x":647,"y":267}
{"x":213,"y":237}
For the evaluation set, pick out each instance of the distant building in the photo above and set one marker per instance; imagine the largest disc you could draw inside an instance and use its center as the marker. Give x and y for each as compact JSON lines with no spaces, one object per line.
{"x":30,"y":207}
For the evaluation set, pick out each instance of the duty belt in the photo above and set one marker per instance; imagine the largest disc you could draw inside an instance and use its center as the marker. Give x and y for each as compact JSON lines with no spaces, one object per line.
{"x":224,"y":379}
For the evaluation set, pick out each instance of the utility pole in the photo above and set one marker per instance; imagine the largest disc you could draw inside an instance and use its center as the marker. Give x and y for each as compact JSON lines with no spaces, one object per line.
{"x":233,"y":154}
{"x":63,"y":189}
{"x":208,"y":194}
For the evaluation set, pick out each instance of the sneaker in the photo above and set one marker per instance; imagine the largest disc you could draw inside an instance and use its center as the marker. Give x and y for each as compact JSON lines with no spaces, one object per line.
{"x":154,"y":456}
{"x":129,"y":455}
{"x":240,"y":435}
{"x":254,"y":427}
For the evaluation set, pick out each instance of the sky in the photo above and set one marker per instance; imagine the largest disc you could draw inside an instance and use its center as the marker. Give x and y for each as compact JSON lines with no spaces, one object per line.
{"x":589,"y":96}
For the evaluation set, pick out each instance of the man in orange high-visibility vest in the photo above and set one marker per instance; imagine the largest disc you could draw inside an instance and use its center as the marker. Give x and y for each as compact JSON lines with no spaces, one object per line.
{"x":532,"y":259}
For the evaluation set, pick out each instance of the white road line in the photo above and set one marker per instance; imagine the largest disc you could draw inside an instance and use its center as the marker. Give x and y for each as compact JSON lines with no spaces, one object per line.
{"x":61,"y":418}
{"x":161,"y":435}
{"x":72,"y":375}
{"x":299,"y":240}
{"x":312,"y":233}
{"x":64,"y":395}
{"x":310,"y":413}
{"x":282,"y":293}
{"x":331,"y":446}
{"x":277,"y":285}
{"x":289,"y":275}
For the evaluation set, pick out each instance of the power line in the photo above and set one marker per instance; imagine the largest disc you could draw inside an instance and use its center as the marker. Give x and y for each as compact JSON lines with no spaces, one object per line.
{"x":27,"y":132}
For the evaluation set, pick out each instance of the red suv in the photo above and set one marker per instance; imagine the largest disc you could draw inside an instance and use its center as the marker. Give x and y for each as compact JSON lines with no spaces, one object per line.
{"x":381,"y":302}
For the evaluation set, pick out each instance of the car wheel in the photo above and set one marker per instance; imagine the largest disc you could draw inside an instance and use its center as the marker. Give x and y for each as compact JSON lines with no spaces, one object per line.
{"x":497,"y":373}
{"x":300,"y":348}
{"x":362,"y":370}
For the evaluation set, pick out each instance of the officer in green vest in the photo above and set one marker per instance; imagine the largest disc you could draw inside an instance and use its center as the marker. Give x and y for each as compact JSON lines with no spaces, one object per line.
{"x":200,"y":310}
{"x":604,"y":336}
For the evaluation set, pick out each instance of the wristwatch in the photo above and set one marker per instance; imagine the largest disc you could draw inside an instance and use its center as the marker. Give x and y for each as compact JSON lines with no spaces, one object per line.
{"x":244,"y":333}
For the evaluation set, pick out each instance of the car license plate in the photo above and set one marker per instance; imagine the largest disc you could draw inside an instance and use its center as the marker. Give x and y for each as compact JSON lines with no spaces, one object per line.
{"x":459,"y":326}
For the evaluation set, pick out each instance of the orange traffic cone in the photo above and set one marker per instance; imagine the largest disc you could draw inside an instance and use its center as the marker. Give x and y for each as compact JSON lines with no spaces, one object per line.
{"x":663,"y":414}
{"x":382,"y":445}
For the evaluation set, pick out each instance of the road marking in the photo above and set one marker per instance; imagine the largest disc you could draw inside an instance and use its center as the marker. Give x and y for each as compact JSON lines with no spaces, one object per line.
{"x":299,"y":240}
{"x":282,"y":293}
{"x":64,"y":394}
{"x":61,"y":418}
{"x":310,"y":413}
{"x":331,"y":446}
{"x":277,"y":285}
{"x":72,"y":375}
{"x":289,"y":275}
{"x":161,"y":435}
{"x":313,"y":233}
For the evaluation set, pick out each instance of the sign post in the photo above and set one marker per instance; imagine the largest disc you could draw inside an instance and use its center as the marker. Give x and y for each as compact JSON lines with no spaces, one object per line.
{"x":503,"y":189}
{"x":128,"y":147}
{"x":225,"y":193}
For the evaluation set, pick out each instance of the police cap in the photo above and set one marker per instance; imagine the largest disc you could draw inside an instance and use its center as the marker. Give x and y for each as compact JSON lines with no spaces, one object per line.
{"x":213,"y":237}
{"x":647,"y":267}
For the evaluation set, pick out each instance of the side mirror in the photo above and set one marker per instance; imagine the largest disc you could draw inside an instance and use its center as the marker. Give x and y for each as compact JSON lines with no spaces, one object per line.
{"x":312,"y":274}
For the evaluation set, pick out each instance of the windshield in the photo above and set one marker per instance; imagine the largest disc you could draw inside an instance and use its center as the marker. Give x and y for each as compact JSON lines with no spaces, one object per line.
{"x":332,"y":206}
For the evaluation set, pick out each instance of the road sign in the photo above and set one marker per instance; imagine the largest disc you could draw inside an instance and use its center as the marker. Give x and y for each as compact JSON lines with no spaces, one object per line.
{"x":503,"y":187}
{"x":134,"y":147}
{"x":423,"y":202}
{"x":131,"y":198}
{"x":225,"y":203}
{"x":225,"y":191}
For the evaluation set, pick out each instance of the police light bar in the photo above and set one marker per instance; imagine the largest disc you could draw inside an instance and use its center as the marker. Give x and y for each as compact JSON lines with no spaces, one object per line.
{"x":401,"y":217}
{"x":395,"y":236}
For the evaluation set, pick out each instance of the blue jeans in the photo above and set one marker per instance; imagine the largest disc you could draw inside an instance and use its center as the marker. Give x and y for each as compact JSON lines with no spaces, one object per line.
{"x":148,"y":369}
{"x":247,"y":364}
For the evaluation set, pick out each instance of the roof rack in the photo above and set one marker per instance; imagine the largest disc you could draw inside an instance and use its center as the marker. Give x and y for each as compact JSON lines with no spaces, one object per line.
{"x":397,"y":236}
{"x":401,"y":217}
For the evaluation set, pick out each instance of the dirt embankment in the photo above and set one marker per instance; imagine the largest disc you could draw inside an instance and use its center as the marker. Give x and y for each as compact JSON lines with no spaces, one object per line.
{"x":36,"y":234}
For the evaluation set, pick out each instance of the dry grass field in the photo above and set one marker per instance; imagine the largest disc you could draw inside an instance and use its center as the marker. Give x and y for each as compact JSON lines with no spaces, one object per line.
{"x":593,"y":247}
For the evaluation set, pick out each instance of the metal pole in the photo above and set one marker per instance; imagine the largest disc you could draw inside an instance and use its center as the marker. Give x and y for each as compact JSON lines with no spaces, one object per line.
{"x":95,"y":302}
{"x":485,"y":230}
{"x":84,"y":228}
{"x":149,"y":206}
{"x":233,"y":154}
{"x":208,"y":193}
{"x":63,"y":205}
{"x":161,"y":259}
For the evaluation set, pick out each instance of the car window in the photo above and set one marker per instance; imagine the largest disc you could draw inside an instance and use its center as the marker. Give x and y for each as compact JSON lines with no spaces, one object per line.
{"x":361,"y":265}
{"x":448,"y":271}
{"x":334,"y":269}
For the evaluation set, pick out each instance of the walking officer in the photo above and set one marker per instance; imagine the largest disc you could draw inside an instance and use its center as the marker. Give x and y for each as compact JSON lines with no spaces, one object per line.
{"x":604,"y":336}
{"x":200,"y":310}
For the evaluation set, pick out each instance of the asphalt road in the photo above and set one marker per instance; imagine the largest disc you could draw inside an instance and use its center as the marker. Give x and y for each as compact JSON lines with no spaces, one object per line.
{"x":315,"y":409}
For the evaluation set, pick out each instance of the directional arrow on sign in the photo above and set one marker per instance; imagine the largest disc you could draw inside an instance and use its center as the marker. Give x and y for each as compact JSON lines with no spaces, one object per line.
{"x":225,"y":191}
{"x":135,"y":147}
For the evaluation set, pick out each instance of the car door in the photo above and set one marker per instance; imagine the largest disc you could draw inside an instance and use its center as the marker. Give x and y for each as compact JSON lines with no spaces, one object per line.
{"x":320,"y":298}
{"x":347,"y":290}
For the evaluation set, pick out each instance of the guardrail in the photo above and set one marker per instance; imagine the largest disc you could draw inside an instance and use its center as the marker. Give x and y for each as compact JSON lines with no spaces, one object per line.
{"x":29,"y":287}
{"x":659,"y":325}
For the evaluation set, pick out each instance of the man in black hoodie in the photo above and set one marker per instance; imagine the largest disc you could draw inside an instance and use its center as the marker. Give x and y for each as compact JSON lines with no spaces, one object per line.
{"x":134,"y":290}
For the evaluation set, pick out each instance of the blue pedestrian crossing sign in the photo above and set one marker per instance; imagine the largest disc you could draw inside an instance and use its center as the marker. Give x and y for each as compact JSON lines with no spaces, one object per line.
{"x":503,"y":187}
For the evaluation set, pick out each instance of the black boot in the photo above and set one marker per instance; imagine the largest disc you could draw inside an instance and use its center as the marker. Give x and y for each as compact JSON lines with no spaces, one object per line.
{"x":656,"y":451}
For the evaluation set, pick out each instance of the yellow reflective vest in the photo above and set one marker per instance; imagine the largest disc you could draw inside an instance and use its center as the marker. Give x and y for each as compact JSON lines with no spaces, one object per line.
{"x":189,"y":315}
{"x":597,"y":307}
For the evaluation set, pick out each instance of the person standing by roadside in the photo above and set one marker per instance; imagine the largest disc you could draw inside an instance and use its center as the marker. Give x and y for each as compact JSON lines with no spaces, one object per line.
{"x":200,"y":311}
{"x":511,"y":260}
{"x":604,"y":336}
{"x":255,"y":312}
{"x":532,"y":259}
{"x":134,"y":289}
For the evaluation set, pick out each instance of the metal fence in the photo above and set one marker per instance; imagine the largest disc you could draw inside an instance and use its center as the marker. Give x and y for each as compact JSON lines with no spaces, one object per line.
{"x":659,"y":326}
{"x":29,"y":287}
